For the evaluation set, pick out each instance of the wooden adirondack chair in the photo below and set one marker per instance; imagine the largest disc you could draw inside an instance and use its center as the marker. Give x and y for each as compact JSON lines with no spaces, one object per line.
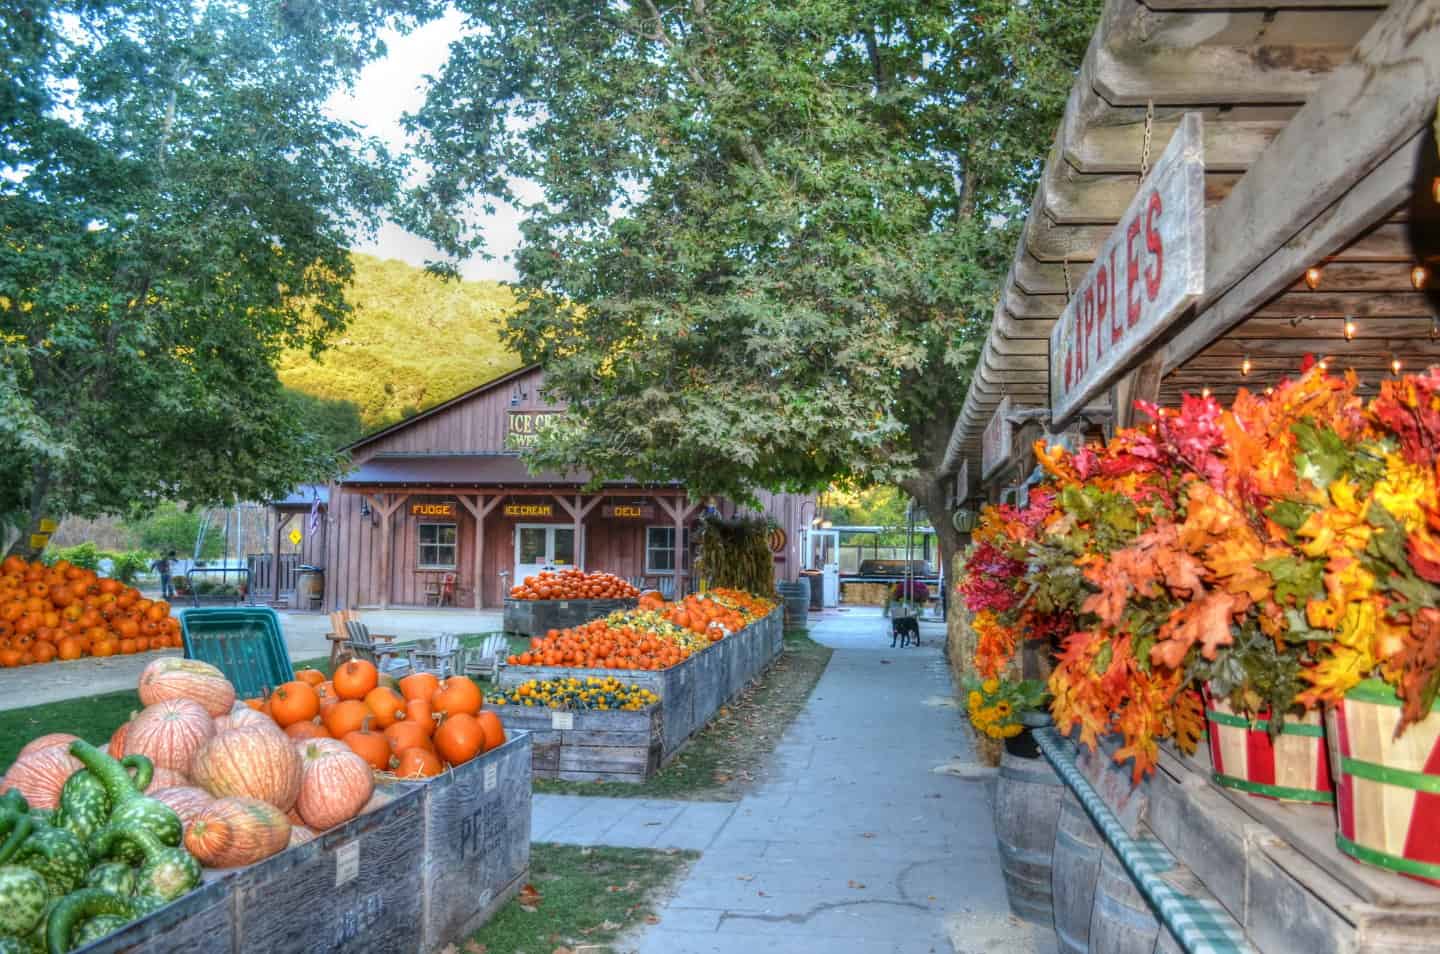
{"x":437,"y":658}
{"x":339,"y":636}
{"x":487,"y":658}
{"x":364,"y":646}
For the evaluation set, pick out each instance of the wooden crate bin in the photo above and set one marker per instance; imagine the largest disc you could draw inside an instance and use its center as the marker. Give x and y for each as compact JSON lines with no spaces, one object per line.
{"x":590,"y":746}
{"x":363,"y":885}
{"x":538,"y":617}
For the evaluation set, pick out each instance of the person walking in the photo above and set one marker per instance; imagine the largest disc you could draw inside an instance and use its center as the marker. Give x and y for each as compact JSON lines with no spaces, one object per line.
{"x":163,"y":567}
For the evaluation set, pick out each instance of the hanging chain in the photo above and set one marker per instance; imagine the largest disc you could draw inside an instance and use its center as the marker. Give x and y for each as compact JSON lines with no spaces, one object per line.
{"x":1066,"y":262}
{"x":1149,"y":131}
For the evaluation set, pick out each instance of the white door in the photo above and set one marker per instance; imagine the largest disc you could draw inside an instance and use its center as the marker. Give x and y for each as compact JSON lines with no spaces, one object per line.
{"x":825,"y":557}
{"x":542,"y":546}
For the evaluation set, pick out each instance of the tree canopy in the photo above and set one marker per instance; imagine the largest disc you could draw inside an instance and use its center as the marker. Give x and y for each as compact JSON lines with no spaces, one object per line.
{"x":769,"y":234}
{"x":175,"y":211}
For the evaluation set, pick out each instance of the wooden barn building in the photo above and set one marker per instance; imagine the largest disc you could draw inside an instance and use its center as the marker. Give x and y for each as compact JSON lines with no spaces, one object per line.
{"x":443,"y":500}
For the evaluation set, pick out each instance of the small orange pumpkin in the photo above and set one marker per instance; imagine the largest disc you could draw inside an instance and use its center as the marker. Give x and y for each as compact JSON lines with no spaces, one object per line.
{"x":419,"y":685}
{"x":346,"y":716}
{"x":313,"y":676}
{"x":308,"y":729}
{"x":292,"y":702}
{"x":370,"y":746}
{"x":406,"y":735}
{"x":493,"y":729}
{"x":418,"y":713}
{"x":232,"y":832}
{"x":457,"y":695}
{"x":387,"y":705}
{"x":354,"y":679}
{"x":418,"y":763}
{"x":459,"y":738}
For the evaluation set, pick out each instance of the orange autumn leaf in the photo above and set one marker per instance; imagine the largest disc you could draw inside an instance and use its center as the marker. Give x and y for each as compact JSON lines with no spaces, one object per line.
{"x":1205,"y":621}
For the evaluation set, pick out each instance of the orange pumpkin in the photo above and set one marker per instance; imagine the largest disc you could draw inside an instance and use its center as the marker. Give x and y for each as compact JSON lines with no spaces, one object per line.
{"x":237,"y":831}
{"x":354,"y":679}
{"x":418,"y":763}
{"x":48,"y":740}
{"x":346,"y":717}
{"x":419,"y":713}
{"x":309,"y":729}
{"x":70,"y":648}
{"x":406,"y":735}
{"x":386,"y":705}
{"x":335,"y":784}
{"x":313,"y":676}
{"x":294,"y":701}
{"x":250,"y":762}
{"x":40,"y":775}
{"x":116,"y":748}
{"x":174,"y":678}
{"x":459,"y":738}
{"x":169,"y":733}
{"x":493,"y":729}
{"x":419,"y":685}
{"x":370,"y":746}
{"x":457,"y":695}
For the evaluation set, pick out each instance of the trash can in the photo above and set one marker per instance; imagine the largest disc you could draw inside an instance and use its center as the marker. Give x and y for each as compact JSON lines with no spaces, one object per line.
{"x":797,"y":604}
{"x":309,"y":587}
{"x":817,"y":588}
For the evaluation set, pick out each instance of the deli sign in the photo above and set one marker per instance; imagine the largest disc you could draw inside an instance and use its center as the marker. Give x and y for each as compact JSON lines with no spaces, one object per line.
{"x":1149,"y":270}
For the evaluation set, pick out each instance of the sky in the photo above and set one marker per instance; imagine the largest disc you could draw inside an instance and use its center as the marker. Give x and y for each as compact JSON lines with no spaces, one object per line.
{"x":392,"y":87}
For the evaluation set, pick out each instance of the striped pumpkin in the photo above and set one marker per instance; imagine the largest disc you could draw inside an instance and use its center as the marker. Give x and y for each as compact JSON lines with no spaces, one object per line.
{"x":1293,"y":767}
{"x":1389,"y":795}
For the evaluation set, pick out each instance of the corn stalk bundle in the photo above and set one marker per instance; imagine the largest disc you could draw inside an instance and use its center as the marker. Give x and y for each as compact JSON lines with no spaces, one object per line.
{"x":735,"y":553}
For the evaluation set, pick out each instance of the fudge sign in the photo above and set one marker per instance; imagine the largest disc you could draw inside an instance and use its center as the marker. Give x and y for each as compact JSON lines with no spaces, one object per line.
{"x":1149,"y":270}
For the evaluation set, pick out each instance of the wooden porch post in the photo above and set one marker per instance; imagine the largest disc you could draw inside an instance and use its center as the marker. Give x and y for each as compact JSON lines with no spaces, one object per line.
{"x":280,"y":525}
{"x":387,"y":543}
{"x":479,"y":510}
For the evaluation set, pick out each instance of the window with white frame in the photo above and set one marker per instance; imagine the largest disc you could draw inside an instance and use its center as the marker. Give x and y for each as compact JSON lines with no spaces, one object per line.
{"x":660,"y":550}
{"x":437,"y":545}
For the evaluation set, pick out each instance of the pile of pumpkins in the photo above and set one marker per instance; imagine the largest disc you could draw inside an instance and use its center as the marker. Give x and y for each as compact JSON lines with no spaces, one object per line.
{"x":63,"y":612}
{"x":233,"y":782}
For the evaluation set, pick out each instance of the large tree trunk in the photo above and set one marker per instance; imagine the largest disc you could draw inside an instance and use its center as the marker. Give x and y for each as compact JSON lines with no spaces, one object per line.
{"x":39,"y":494}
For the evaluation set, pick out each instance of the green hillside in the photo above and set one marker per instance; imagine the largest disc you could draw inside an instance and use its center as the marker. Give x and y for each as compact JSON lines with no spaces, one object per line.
{"x":413,"y":342}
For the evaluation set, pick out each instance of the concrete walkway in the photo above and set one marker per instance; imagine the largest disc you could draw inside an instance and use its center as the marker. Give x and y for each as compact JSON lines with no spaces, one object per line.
{"x":304,"y":638}
{"x":856,"y":841}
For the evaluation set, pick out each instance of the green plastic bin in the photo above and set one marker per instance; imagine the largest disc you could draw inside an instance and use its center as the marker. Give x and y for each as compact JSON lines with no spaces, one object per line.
{"x":245,"y":643}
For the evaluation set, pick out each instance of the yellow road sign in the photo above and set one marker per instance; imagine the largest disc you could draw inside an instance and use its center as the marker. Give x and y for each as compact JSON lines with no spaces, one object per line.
{"x":296,"y":536}
{"x":48,"y":526}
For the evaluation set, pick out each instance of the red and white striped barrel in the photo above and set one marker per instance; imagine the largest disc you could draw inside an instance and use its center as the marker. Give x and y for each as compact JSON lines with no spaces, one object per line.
{"x":1389,"y":795}
{"x":1293,"y":767}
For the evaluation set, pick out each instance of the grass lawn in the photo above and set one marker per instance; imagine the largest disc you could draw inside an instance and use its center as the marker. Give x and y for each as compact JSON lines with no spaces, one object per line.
{"x":93,"y":718}
{"x":587,"y":897}
{"x":467,"y":641}
{"x":723,"y":758}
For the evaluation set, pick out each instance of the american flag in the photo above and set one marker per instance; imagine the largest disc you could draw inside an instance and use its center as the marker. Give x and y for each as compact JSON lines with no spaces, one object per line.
{"x":315,"y":514}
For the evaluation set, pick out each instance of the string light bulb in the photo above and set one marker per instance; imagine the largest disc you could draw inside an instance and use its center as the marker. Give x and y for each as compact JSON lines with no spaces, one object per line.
{"x":1245,"y":366}
{"x":1350,"y":329}
{"x":1419,"y":277}
{"x":1312,"y":277}
{"x":1205,"y":393}
{"x":1269,"y":392}
{"x":1395,"y":366}
{"x":1324,"y":364}
{"x":1435,"y":327}
{"x":1435,"y":188}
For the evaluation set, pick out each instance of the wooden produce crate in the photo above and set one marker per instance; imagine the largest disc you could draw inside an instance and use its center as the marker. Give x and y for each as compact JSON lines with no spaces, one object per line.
{"x":538,"y":617}
{"x":477,"y":840}
{"x":589,"y":745}
{"x":440,"y":855}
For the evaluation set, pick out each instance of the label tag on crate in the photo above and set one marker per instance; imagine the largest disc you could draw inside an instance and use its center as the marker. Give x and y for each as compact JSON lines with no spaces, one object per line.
{"x":562,"y":721}
{"x":347,"y":862}
{"x":492,"y":775}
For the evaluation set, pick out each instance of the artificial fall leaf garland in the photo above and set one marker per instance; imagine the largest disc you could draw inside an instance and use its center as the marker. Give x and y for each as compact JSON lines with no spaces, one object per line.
{"x":1280,"y":550}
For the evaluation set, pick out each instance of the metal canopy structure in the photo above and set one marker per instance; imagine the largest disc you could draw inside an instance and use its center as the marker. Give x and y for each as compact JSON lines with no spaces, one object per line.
{"x":1315,"y":121}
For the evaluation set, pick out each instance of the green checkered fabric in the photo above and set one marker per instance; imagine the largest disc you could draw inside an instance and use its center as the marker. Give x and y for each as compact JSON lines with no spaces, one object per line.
{"x":1201,"y":925}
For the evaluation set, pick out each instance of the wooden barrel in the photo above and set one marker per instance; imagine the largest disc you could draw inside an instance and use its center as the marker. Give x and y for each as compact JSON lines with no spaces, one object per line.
{"x":1121,"y":921}
{"x":1293,"y":767}
{"x":1389,"y":792}
{"x":1027,"y":803}
{"x":1074,"y":870}
{"x":797,"y":604}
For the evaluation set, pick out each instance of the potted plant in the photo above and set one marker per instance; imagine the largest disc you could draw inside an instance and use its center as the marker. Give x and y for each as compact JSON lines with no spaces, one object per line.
{"x":1008,"y":710}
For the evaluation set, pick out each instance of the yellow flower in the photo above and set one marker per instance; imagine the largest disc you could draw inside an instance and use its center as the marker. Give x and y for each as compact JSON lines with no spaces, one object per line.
{"x":990,"y":686}
{"x":1002,"y":709}
{"x":1011,"y":730}
{"x":975,"y":700}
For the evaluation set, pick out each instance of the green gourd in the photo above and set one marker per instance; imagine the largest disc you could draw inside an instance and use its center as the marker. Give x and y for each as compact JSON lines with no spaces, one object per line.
{"x":128,"y":807}
{"x":97,"y":927}
{"x":16,"y":827}
{"x":22,"y":900}
{"x":113,"y":876}
{"x":58,"y":856}
{"x":78,"y":907}
{"x":165,"y":873}
{"x":84,"y":806}
{"x":18,"y":945}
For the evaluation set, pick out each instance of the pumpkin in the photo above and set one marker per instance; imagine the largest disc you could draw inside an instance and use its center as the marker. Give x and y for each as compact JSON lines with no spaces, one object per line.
{"x":292,"y":702}
{"x":335,"y":784}
{"x":457,"y":695}
{"x":165,"y":778}
{"x":406,"y":735}
{"x":326,"y":692}
{"x":237,"y":831}
{"x":243,"y":716}
{"x":355,"y":678}
{"x":419,"y":713}
{"x":299,"y":731}
{"x":299,"y":834}
{"x":493,"y":729}
{"x":187,"y":801}
{"x":387,"y":705}
{"x":250,"y":762}
{"x":313,"y":676}
{"x":370,"y":746}
{"x":116,"y":748}
{"x":459,"y":739}
{"x":46,"y":741}
{"x":419,"y":685}
{"x":175,"y":678}
{"x":169,"y":733}
{"x":418,"y":763}
{"x":346,"y":717}
{"x":40,"y":775}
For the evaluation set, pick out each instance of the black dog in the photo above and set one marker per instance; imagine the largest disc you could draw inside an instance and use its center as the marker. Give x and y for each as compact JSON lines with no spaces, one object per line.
{"x":906,"y":629}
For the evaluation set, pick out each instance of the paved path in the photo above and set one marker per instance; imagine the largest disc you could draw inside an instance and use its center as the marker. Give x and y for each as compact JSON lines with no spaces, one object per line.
{"x":304,"y":637}
{"x":852,"y":843}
